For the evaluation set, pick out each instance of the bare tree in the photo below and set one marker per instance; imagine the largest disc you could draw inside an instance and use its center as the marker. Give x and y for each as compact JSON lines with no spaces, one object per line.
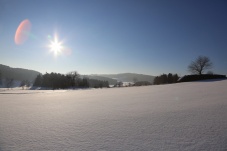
{"x":24,"y":84}
{"x":119,"y":84}
{"x":199,"y":65}
{"x":75,"y":78}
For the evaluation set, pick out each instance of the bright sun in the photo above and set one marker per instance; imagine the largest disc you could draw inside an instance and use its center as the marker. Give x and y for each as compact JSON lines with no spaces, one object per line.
{"x":56,"y":46}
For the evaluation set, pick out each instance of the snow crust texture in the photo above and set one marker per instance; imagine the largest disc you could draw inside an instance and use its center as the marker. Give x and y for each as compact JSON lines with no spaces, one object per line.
{"x":184,"y":116}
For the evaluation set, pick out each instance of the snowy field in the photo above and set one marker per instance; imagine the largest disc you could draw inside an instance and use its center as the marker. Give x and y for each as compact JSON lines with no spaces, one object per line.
{"x":184,"y":116}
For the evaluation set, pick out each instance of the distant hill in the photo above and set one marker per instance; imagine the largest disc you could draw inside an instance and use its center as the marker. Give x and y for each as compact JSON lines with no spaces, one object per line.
{"x":128,"y":77}
{"x":30,"y":75}
{"x":18,"y":73}
{"x":101,"y":78}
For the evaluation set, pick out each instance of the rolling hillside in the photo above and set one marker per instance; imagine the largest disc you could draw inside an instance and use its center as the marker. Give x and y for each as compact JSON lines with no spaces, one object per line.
{"x":17,"y":73}
{"x":101,"y":78}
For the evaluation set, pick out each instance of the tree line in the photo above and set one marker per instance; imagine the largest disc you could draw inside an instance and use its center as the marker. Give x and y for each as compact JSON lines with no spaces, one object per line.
{"x":166,"y":79}
{"x":0,"y":77}
{"x":70,"y":80}
{"x":73,"y":79}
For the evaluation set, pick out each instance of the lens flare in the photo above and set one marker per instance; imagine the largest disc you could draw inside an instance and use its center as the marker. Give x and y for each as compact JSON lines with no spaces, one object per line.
{"x":67,"y":51}
{"x":22,"y":32}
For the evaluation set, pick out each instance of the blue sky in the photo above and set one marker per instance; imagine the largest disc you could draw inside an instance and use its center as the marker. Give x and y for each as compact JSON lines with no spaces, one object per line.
{"x":115,"y":36}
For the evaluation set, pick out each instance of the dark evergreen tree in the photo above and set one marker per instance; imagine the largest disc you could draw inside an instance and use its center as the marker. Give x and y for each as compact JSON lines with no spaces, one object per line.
{"x":38,"y":81}
{"x":156,"y":80}
{"x":170,"y":78}
{"x":0,"y":77}
{"x":175,"y":78}
{"x":85,"y":82}
{"x":164,"y":79}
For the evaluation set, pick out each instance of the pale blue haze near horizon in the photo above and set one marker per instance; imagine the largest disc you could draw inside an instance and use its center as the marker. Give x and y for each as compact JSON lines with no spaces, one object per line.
{"x":115,"y":36}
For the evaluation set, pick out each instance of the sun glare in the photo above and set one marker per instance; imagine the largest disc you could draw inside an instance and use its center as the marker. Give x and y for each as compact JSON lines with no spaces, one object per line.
{"x":56,"y":46}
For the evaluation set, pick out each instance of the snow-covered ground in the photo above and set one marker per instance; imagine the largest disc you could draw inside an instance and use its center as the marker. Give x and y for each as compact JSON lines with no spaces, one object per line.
{"x":184,"y":116}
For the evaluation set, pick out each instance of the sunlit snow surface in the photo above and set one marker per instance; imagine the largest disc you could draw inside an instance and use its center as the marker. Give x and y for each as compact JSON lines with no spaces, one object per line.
{"x":184,"y":116}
